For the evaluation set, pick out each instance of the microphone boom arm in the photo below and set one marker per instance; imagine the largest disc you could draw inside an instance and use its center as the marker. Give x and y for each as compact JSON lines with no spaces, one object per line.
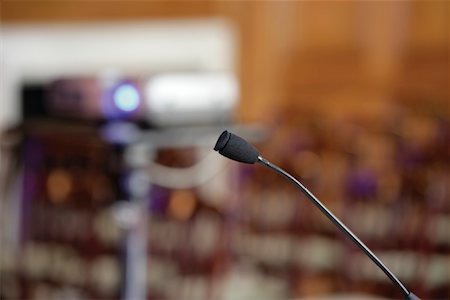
{"x":408,"y":295}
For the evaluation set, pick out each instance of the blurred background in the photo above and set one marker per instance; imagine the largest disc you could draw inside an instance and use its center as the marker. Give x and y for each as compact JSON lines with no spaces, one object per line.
{"x":109,"y":111}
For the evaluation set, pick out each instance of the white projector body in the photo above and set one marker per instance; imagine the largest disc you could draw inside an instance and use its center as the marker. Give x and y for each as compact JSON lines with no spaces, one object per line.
{"x":190,"y":98}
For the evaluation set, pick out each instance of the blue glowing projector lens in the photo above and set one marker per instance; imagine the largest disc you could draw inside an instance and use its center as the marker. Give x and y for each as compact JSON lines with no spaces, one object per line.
{"x":126,"y":98}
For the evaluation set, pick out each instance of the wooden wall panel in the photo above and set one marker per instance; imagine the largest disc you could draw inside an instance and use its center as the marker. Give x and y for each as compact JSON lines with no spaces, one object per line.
{"x":293,"y":48}
{"x":78,"y":11}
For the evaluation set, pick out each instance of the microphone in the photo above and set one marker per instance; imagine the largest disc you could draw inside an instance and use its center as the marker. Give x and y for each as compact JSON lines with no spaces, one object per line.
{"x":238,"y":149}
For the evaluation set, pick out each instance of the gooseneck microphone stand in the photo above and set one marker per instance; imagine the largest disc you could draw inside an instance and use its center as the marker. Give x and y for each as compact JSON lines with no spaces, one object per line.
{"x":236,"y":148}
{"x":408,"y":295}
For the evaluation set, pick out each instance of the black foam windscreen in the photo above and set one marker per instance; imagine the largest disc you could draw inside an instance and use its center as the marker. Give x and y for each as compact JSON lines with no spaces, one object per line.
{"x":236,"y":148}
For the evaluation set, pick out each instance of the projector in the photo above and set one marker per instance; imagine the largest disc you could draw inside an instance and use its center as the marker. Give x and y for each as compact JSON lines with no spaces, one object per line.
{"x":166,"y":99}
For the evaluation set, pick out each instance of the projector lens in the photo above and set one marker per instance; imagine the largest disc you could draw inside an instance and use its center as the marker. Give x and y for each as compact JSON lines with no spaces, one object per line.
{"x":126,"y":98}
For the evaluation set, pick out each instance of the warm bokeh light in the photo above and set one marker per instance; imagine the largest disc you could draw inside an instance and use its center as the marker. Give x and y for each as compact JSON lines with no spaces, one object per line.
{"x":59,"y":185}
{"x":181,"y":205}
